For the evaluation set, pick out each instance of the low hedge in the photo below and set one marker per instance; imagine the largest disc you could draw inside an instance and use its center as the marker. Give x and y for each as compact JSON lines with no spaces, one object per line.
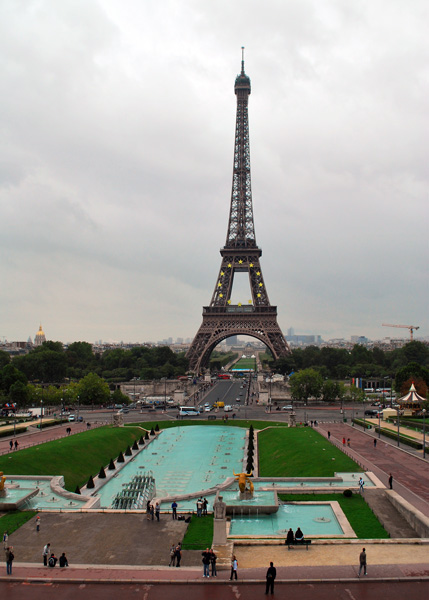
{"x":10,"y":431}
{"x":49,"y":423}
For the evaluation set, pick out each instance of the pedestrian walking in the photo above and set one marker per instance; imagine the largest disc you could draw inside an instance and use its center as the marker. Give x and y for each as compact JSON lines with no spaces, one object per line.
{"x":329,"y":435}
{"x":344,"y":441}
{"x":234,"y":568}
{"x":361,"y":484}
{"x":11,"y":444}
{"x":348,"y":442}
{"x":213,"y":559}
{"x":391,"y":481}
{"x":9,"y":555}
{"x":270,"y":577}
{"x":45,"y":554}
{"x":362,"y":562}
{"x":148,"y":510}
{"x":375,"y":442}
{"x":152,"y":512}
{"x":37,"y":523}
{"x":16,"y":444}
{"x":157,"y":511}
{"x":172,"y":556}
{"x":205,"y":504}
{"x":5,"y":538}
{"x":174,"y":509}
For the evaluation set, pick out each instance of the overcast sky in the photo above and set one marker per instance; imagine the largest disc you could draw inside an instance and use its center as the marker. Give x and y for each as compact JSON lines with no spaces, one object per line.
{"x":117,"y":129}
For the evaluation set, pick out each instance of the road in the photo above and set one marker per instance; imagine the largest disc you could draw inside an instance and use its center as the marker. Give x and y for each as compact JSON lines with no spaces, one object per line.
{"x":237,"y":394}
{"x":347,"y":590}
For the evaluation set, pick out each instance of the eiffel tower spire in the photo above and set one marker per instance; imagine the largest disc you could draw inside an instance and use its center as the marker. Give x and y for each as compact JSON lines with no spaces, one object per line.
{"x":241,"y":229}
{"x":240,"y":254}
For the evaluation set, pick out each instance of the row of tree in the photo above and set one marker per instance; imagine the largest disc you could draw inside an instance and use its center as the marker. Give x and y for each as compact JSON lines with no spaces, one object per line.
{"x":50,"y":362}
{"x":308,"y":383}
{"x":339,"y":363}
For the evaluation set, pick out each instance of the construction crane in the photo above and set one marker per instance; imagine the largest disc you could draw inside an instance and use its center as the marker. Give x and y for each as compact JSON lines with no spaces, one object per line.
{"x":410,"y":327}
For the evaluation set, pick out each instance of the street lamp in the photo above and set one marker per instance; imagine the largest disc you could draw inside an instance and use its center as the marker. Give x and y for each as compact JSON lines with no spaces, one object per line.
{"x":424,"y":433}
{"x":165,"y":393}
{"x":41,"y":411}
{"x":379,"y":424}
{"x":397,"y":410}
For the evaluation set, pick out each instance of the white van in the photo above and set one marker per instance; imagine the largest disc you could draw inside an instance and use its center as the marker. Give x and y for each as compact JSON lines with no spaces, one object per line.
{"x":188,"y":411}
{"x":227,"y":408}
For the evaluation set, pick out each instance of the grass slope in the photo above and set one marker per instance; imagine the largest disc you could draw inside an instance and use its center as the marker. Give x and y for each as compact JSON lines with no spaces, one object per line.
{"x":75,"y":457}
{"x":300,"y":452}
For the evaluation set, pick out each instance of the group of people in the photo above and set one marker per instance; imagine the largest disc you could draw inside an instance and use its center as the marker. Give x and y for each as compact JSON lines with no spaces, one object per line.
{"x":12,"y":444}
{"x":202,"y":504}
{"x":152,"y":511}
{"x":292,"y":537}
{"x":50,"y":560}
{"x":175,"y":555}
{"x":209,"y":559}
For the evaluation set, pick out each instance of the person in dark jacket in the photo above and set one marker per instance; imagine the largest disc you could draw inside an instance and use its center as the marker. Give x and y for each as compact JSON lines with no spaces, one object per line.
{"x":270,"y":577}
{"x":63,"y":562}
{"x":290,"y":538}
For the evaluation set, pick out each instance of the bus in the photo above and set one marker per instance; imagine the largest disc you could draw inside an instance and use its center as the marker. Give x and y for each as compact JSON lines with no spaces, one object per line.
{"x":224,"y":376}
{"x":188,"y":411}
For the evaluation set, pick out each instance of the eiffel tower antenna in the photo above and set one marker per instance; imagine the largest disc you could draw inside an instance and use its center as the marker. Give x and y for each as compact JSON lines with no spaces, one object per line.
{"x":222,"y":319}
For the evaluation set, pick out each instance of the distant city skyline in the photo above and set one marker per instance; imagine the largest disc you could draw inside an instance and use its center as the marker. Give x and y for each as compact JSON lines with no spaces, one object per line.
{"x":40,"y":336}
{"x":117,"y":144}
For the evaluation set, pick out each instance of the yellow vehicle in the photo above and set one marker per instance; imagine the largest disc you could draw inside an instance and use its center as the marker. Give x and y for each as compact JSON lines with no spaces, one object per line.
{"x":218,"y":404}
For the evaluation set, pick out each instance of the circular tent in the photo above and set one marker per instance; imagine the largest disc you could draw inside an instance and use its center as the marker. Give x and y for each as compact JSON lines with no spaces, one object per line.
{"x":411,"y":401}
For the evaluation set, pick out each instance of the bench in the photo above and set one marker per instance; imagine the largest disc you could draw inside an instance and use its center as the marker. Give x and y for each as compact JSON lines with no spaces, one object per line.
{"x":299,"y":543}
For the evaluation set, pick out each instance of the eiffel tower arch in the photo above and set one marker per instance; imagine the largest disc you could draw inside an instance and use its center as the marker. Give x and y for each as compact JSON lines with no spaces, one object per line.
{"x":240,"y":254}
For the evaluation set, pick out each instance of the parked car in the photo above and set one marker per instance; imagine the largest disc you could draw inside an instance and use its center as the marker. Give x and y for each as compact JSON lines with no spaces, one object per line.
{"x":72,"y":418}
{"x":287,"y":407}
{"x":372,"y":412}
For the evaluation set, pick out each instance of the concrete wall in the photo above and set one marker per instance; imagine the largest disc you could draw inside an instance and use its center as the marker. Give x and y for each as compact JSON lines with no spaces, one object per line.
{"x":418,"y":521}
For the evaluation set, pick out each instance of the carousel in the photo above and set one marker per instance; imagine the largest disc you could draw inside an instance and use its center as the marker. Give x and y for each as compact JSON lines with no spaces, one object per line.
{"x":411,"y":403}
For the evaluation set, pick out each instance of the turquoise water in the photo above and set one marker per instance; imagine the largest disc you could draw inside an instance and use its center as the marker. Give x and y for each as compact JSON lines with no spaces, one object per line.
{"x":313,"y":519}
{"x":46,"y":499}
{"x":184,"y":460}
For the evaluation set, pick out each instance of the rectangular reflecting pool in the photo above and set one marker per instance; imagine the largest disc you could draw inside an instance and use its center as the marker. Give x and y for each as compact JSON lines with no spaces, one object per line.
{"x":313,"y":519}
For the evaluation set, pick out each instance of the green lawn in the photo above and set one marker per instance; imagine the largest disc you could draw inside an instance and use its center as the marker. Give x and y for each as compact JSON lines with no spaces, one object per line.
{"x":300,"y":452}
{"x":363,"y":521}
{"x":75,"y":457}
{"x":245,"y":363}
{"x":13,"y":520}
{"x":199,"y":534}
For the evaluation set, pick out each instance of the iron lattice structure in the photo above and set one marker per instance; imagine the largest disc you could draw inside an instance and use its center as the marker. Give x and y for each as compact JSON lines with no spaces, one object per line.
{"x":240,"y":254}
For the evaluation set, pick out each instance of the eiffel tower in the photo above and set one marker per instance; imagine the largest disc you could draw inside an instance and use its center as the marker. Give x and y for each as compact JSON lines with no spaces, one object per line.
{"x":222,"y":319}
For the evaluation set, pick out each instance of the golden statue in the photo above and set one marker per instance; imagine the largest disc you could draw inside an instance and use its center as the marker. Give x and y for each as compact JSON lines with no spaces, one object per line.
{"x":244,"y":481}
{"x":2,"y":480}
